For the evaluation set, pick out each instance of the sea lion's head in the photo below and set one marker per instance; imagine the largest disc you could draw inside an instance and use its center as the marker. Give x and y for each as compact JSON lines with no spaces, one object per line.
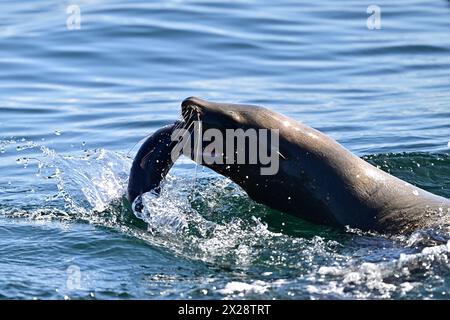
{"x":224,"y":116}
{"x":238,"y":141}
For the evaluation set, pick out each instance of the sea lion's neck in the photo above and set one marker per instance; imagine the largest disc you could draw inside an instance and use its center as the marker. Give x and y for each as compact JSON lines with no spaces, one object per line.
{"x":367,"y":195}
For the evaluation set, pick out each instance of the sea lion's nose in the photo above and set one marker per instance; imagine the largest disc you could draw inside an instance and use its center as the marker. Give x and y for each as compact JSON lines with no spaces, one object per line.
{"x":192,"y":101}
{"x":192,"y":104}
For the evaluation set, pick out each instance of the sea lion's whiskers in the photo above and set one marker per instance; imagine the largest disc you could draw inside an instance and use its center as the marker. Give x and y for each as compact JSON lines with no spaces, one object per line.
{"x":180,"y":125}
{"x":186,"y":114}
{"x":187,"y":141}
{"x":197,"y":151}
{"x":189,"y":116}
{"x":281,"y":155}
{"x":189,"y":126}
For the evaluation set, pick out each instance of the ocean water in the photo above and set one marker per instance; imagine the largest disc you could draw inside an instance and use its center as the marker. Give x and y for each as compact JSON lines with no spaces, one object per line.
{"x":75,"y":101}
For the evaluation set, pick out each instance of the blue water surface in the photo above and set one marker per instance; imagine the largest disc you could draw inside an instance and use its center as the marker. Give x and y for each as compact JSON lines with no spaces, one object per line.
{"x":74,"y":101}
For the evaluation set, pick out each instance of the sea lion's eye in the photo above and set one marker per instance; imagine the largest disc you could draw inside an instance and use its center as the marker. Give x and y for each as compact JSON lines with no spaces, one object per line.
{"x":234,"y":115}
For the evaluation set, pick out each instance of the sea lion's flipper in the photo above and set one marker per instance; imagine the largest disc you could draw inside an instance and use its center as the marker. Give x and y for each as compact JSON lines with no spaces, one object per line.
{"x":152,"y":162}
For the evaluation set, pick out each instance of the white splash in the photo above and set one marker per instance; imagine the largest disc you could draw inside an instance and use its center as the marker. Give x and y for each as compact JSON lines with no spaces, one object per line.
{"x":242,"y":287}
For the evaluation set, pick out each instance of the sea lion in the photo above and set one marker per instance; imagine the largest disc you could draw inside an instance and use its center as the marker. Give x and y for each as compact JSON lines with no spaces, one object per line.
{"x":317,"y":179}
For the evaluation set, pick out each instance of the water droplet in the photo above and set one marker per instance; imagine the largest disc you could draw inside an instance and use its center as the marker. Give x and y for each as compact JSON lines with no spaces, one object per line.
{"x":83,"y":143}
{"x":23,"y":161}
{"x":2,"y":150}
{"x":57,"y":132}
{"x":415,"y":192}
